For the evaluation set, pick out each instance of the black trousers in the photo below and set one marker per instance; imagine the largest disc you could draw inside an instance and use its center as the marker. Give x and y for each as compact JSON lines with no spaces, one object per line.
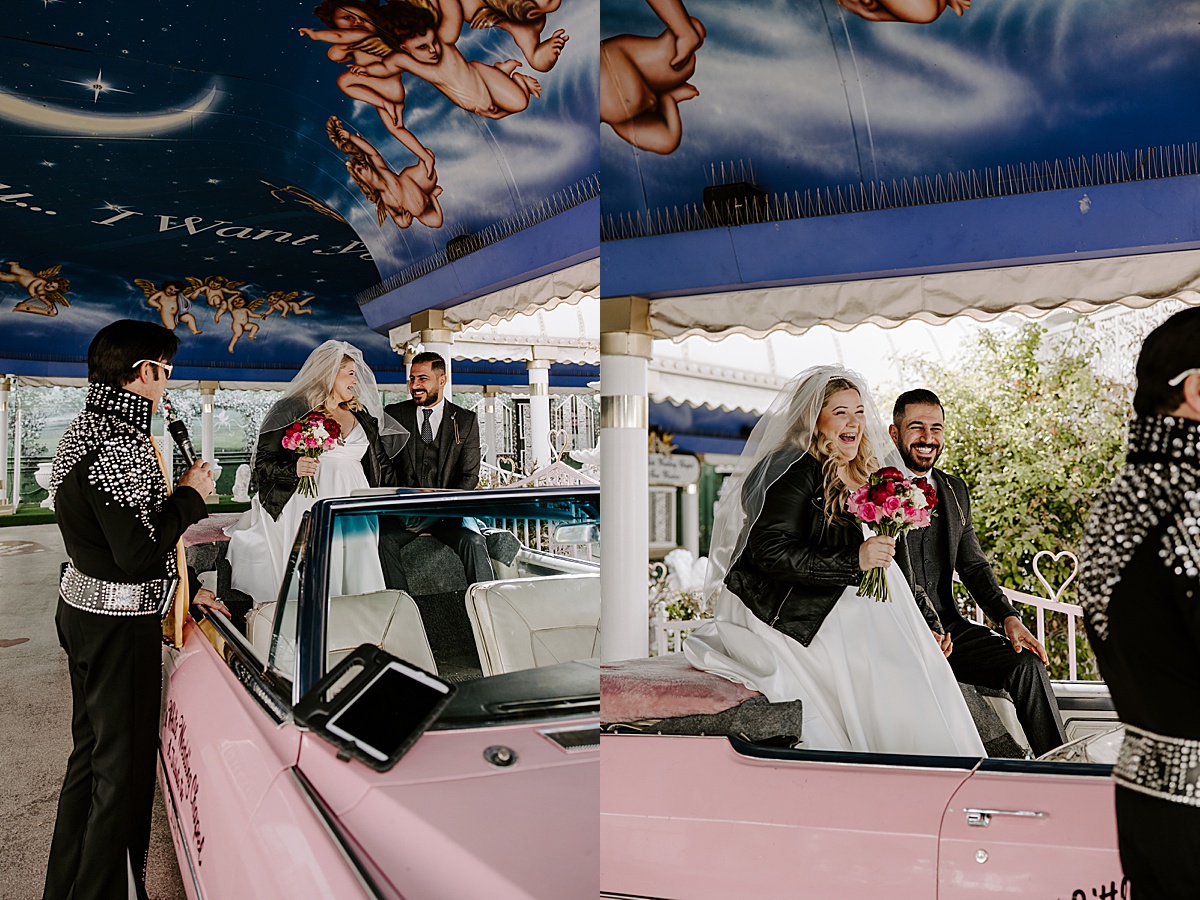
{"x":984,"y":657}
{"x":471,"y":547}
{"x":106,"y":799}
{"x":1158,"y":841}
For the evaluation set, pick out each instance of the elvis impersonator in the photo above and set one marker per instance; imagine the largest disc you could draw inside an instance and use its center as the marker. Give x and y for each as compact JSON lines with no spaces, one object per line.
{"x":122,"y":528}
{"x":1140,"y":590}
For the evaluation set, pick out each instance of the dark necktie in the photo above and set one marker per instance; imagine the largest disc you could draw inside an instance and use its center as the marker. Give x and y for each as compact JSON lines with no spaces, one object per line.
{"x":426,"y":430}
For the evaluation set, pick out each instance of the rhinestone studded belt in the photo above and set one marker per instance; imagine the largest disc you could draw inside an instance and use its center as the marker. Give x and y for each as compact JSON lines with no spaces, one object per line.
{"x":113,"y":598}
{"x":1161,"y":766}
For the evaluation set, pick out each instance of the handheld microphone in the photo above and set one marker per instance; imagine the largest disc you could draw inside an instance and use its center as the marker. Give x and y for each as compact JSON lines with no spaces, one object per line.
{"x":183,"y":441}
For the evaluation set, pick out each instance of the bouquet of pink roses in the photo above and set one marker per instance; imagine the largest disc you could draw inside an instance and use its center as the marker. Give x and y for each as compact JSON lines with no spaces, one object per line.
{"x":312,"y":436}
{"x":891,"y":504}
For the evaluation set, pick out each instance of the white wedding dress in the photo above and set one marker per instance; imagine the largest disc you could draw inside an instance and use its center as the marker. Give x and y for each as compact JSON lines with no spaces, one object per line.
{"x":873,"y":678}
{"x":259,"y":546}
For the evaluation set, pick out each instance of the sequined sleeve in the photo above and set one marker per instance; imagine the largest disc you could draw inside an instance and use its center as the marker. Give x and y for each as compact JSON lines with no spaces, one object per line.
{"x":141,"y":523}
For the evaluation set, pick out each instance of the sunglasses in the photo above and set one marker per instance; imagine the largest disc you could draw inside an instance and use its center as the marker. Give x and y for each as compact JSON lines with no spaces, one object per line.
{"x":1178,"y":379}
{"x":154,"y":362}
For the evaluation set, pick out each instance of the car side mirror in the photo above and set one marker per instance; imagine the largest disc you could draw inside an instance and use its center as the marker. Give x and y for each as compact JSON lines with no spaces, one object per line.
{"x":588,"y":533}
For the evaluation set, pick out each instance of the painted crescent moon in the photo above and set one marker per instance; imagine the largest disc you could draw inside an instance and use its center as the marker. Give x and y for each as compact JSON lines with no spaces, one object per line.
{"x":70,"y":121}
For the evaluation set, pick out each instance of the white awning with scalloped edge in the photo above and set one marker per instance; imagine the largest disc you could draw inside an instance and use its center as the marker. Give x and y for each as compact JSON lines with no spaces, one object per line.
{"x":982,"y":294}
{"x":717,"y":387}
{"x":569,"y":285}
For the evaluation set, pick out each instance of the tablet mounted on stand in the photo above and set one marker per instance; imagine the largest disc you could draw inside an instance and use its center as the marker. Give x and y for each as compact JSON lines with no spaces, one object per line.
{"x":378,"y":714}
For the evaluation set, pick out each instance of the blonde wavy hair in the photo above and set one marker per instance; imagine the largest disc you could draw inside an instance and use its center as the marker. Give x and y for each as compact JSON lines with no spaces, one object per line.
{"x":319,"y":397}
{"x":805,"y":436}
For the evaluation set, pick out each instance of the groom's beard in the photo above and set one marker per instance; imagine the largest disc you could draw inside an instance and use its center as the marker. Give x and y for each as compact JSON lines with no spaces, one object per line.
{"x":915,"y":467}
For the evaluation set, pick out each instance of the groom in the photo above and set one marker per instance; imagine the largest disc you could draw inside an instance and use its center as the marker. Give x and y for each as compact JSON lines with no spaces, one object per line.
{"x":1016,"y":662}
{"x":443,"y":452}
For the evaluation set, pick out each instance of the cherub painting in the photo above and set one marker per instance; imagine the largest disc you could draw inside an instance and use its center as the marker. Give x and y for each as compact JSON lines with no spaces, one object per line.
{"x":920,"y":11}
{"x":45,"y":288}
{"x":278,"y":301}
{"x":241,"y":312}
{"x":217,"y":290}
{"x":524,"y":20}
{"x":171,"y":301}
{"x":358,"y":40}
{"x":426,"y":47}
{"x":644,"y":79}
{"x":404,"y":196}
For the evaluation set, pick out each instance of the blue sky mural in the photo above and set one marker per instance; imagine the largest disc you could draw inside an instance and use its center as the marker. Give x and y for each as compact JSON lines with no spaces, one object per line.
{"x":810,"y":94}
{"x":212,"y":147}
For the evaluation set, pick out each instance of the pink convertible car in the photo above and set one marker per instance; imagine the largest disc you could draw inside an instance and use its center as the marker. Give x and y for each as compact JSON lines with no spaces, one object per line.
{"x":702,"y":796}
{"x":496,"y":798}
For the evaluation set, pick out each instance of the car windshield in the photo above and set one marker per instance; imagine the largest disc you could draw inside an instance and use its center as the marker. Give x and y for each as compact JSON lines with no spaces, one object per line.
{"x":479,"y":590}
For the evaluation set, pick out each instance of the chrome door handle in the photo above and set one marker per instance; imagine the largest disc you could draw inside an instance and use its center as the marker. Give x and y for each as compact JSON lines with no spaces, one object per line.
{"x":981,"y":818}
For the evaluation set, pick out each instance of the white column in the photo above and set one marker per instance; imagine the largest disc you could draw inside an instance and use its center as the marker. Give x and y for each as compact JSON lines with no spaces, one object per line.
{"x":539,"y":412}
{"x":625,"y":348}
{"x":16,"y":469}
{"x":490,"y":434}
{"x":5,"y":385}
{"x":436,"y":338}
{"x":408,"y":353}
{"x":690,"y":514}
{"x":208,"y":390}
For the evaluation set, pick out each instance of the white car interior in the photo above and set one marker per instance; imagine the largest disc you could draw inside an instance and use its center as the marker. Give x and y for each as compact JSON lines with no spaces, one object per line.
{"x":388,"y":619}
{"x":524,"y":623}
{"x":541,"y":609}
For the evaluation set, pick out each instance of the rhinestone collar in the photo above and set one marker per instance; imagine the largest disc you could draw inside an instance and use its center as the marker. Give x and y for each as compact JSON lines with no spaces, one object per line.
{"x":125,"y":405}
{"x":1163,"y":439}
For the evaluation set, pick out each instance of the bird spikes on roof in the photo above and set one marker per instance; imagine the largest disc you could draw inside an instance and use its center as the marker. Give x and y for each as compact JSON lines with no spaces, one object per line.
{"x":568,"y":198}
{"x":999,"y":181}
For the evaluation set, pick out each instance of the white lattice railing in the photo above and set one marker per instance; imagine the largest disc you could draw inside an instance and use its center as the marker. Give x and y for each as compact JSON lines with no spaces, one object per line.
{"x":1042,"y":606}
{"x":669,"y":633}
{"x":496,"y":476}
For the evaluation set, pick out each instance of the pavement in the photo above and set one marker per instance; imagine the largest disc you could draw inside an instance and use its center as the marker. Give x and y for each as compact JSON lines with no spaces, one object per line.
{"x":35,"y":721}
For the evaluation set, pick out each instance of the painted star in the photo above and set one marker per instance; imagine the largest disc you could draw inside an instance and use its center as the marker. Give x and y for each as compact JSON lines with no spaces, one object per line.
{"x":97,"y":86}
{"x":112,"y":207}
{"x":214,"y":181}
{"x":48,"y":164}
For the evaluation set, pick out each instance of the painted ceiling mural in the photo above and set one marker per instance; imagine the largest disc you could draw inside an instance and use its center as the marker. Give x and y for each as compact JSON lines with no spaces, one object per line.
{"x":241,"y":171}
{"x":801,"y":95}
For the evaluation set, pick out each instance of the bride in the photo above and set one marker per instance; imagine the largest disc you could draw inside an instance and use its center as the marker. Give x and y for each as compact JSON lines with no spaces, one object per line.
{"x":785,"y":563}
{"x":335,"y":381}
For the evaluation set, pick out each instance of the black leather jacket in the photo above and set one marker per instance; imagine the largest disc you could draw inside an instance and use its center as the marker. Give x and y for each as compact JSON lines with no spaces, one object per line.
{"x":796,"y":564}
{"x":274,"y":474}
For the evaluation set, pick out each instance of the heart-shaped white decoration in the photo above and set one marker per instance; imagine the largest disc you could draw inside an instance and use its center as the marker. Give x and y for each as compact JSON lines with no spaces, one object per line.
{"x":1055,"y":557}
{"x":560,"y":439}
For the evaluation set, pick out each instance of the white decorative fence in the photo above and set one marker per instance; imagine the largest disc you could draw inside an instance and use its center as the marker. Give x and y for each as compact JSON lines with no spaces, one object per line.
{"x":538,"y":534}
{"x":670,"y":633}
{"x":574,"y":425}
{"x":1042,"y":605}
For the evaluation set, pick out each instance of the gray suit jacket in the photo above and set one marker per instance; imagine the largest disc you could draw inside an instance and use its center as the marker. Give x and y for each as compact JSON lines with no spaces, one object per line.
{"x":458,"y":461}
{"x":963,"y":553}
